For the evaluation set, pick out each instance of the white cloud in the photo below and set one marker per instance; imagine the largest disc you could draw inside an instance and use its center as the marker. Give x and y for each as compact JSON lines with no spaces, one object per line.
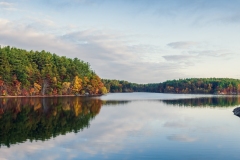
{"x":6,"y":4}
{"x":192,"y":57}
{"x":22,"y":36}
{"x":174,"y":124}
{"x":4,"y":22}
{"x":182,"y":45}
{"x":179,"y":58}
{"x":108,"y":54}
{"x":107,"y":51}
{"x":213,"y":53}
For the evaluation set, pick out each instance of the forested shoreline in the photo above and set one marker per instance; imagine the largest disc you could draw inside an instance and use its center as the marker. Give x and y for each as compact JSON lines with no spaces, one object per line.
{"x":41,"y":73}
{"x":184,"y":86}
{"x":34,"y":73}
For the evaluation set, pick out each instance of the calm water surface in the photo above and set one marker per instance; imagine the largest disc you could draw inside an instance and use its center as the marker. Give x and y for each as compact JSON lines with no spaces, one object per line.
{"x":120,"y":126}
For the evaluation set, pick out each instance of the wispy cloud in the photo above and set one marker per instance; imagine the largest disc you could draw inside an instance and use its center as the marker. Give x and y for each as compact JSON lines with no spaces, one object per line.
{"x":233,"y":18}
{"x":21,"y":35}
{"x":191,"y":57}
{"x":213,"y":53}
{"x":181,"y":138}
{"x":107,"y":52}
{"x":66,"y":4}
{"x":175,"y":124}
{"x":182,"y":45}
{"x":6,"y":4}
{"x":218,"y":19}
{"x":179,"y":58}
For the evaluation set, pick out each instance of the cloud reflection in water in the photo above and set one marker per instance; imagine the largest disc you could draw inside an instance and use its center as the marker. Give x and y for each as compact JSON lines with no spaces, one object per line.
{"x":126,"y":130}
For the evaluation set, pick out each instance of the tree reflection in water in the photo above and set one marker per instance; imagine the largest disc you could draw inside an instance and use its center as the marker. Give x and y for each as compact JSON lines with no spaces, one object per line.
{"x":23,"y":119}
{"x":31,"y":119}
{"x":224,"y":101}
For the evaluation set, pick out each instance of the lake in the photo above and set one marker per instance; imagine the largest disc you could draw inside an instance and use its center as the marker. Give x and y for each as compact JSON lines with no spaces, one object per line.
{"x":120,"y":126}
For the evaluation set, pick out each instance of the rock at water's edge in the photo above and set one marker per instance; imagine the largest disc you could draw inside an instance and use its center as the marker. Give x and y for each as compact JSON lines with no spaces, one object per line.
{"x":236,"y":111}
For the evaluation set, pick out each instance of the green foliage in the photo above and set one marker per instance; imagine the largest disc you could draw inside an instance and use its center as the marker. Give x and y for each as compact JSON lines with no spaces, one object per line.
{"x":21,"y":69}
{"x":120,"y":86}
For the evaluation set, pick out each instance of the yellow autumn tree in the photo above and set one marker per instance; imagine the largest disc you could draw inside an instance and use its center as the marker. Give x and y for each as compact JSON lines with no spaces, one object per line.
{"x":54,"y":80}
{"x":65,"y":87}
{"x":103,"y":90}
{"x":85,"y":82}
{"x":37,"y":88}
{"x":85,"y":88}
{"x":96,"y":84}
{"x":77,"y":85}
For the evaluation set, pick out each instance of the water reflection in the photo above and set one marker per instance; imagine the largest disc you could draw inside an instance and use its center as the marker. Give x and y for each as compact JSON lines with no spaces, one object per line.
{"x":126,"y":129}
{"x":205,"y":102}
{"x":44,"y":118}
{"x":115,"y":102}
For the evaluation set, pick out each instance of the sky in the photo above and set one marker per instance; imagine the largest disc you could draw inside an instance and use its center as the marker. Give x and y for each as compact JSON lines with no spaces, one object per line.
{"x":141,"y":41}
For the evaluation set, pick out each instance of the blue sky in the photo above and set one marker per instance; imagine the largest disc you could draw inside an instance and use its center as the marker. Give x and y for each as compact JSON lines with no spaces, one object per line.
{"x":140,"y":41}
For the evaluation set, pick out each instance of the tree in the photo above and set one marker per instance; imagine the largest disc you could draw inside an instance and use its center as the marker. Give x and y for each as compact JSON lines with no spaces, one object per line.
{"x":77,"y":85}
{"x":66,"y":87}
{"x":103,"y":90}
{"x":37,"y":88}
{"x":48,"y":70}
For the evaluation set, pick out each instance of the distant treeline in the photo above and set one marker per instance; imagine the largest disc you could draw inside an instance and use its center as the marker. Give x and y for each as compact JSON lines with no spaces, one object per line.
{"x":29,"y":73}
{"x":189,"y":85}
